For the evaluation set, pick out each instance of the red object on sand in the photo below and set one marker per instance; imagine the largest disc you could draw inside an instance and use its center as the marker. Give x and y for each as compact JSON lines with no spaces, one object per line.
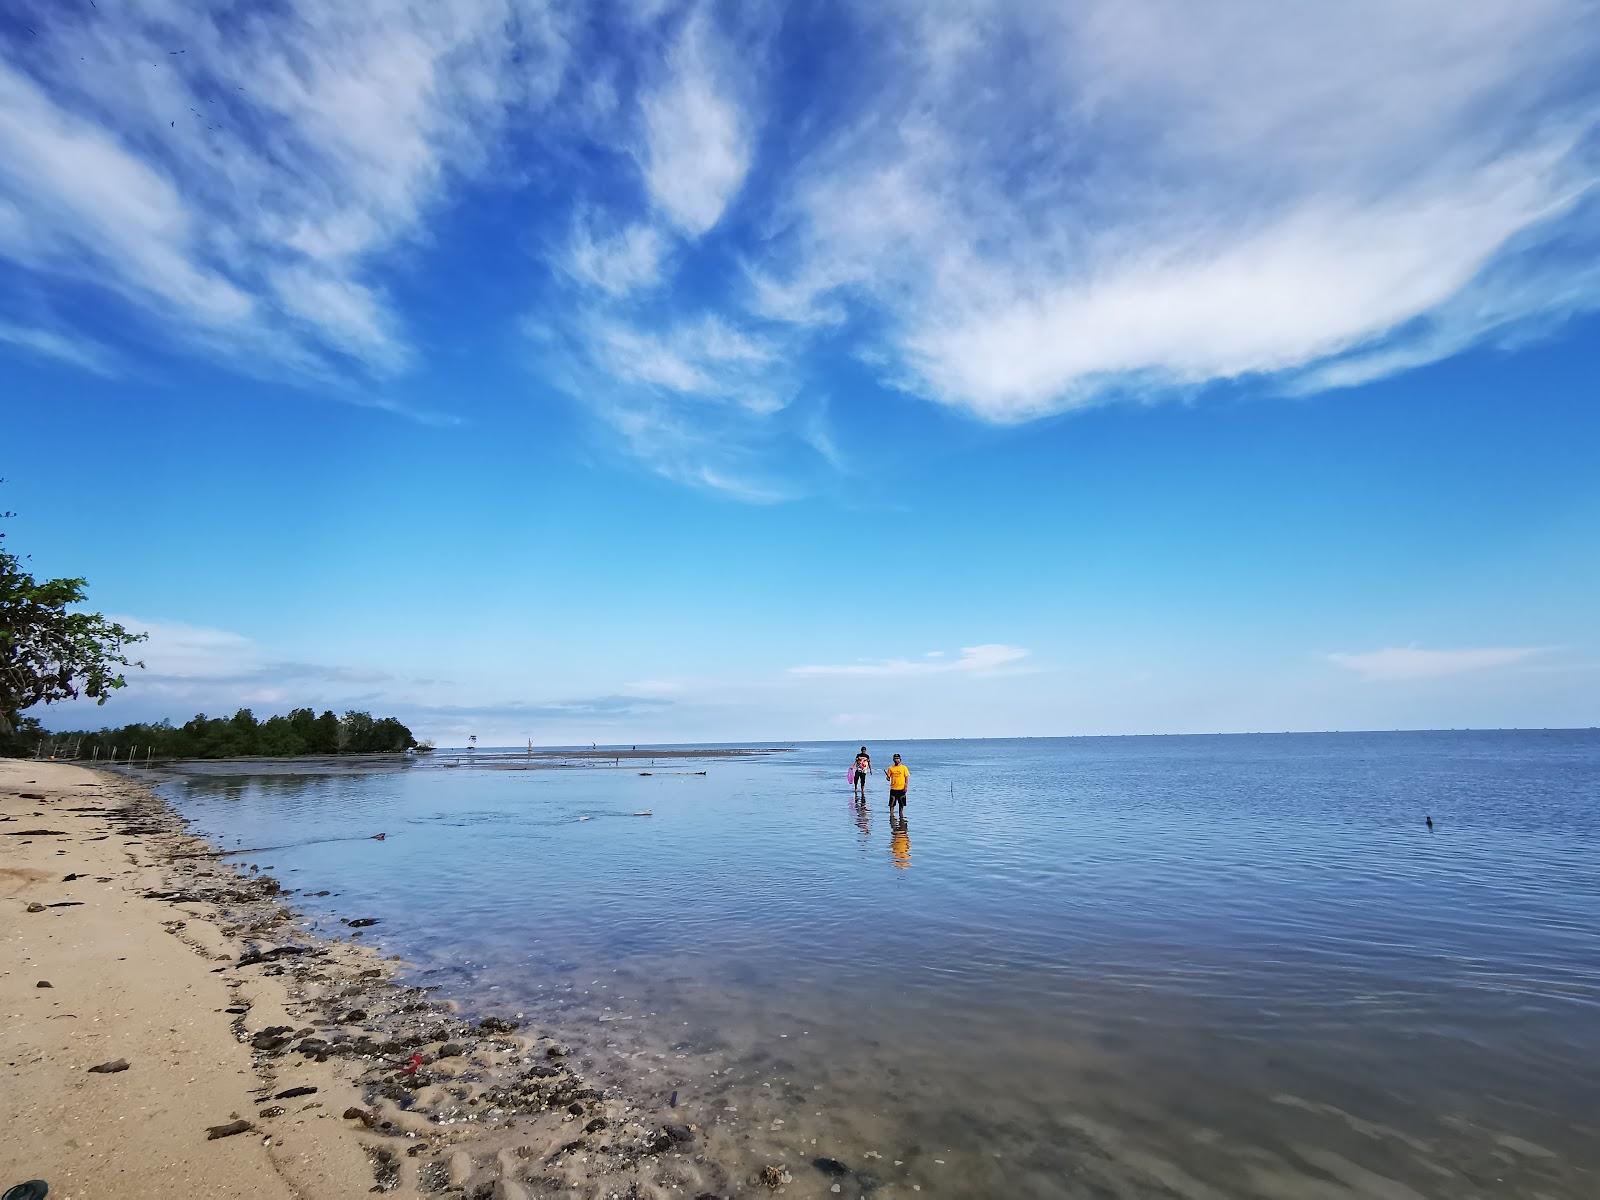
{"x":411,"y":1067}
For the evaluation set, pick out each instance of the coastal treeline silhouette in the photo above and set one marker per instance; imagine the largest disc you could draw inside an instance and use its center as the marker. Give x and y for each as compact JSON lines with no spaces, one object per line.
{"x":302,"y":731}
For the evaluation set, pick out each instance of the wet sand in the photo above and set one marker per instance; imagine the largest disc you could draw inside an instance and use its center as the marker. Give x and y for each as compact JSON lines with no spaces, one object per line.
{"x":260,"y":1061}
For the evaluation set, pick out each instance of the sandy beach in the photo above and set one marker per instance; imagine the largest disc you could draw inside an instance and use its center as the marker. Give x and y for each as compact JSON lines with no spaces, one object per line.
{"x":170,"y":1029}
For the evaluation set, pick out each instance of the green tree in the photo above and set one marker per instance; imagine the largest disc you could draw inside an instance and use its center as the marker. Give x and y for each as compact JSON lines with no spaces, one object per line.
{"x":278,"y":739}
{"x":244,"y":732}
{"x":240,"y":734}
{"x":355,"y":732}
{"x":304,"y":723}
{"x":49,"y":654}
{"x":327,"y":734}
{"x":389,"y":736}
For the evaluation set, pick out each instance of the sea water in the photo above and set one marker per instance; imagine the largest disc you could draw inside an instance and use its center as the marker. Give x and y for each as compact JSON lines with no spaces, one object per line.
{"x":1148,"y":966}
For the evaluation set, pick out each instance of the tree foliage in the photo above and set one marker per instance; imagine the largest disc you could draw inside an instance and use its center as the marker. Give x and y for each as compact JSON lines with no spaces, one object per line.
{"x":48,"y":653}
{"x":299,"y":732}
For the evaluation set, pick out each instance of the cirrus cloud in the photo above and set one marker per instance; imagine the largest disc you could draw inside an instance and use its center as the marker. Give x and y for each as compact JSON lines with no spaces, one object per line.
{"x":987,"y":659}
{"x":1401,"y":663}
{"x":1008,"y":209}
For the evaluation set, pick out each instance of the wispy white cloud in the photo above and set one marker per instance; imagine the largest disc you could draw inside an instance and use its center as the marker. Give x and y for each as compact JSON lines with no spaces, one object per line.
{"x":618,"y":262}
{"x":685,"y":447}
{"x":697,"y":138}
{"x":585,"y":708}
{"x":1554,"y":275}
{"x":347,"y":315}
{"x":1161,"y":195}
{"x":68,"y":348}
{"x":80,"y":199}
{"x":235,"y":174}
{"x":184,"y":661}
{"x":694,"y":399}
{"x":708,"y":359}
{"x":1399,"y":663}
{"x":194,"y":668}
{"x":1008,"y":208}
{"x":974,"y":660}
{"x":687,"y":395}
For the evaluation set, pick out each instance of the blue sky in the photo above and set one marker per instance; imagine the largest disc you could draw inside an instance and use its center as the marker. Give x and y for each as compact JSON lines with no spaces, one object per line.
{"x":657,"y":371}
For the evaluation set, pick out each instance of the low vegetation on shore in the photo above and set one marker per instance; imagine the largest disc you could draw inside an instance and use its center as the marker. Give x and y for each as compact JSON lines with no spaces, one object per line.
{"x":302,"y":731}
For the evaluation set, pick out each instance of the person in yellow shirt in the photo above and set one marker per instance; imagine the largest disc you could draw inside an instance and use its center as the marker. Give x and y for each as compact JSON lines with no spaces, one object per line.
{"x":898,"y":775}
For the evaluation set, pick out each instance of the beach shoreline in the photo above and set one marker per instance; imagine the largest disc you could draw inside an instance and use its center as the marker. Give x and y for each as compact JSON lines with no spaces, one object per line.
{"x":129,"y":939}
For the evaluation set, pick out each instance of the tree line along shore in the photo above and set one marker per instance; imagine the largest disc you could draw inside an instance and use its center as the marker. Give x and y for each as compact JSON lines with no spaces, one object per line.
{"x":301,"y":732}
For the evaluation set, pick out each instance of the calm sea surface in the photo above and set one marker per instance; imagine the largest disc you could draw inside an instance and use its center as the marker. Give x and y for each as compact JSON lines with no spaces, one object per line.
{"x":1101,"y":967}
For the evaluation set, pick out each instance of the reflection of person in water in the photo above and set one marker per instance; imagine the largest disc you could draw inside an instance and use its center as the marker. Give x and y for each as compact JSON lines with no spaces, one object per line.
{"x":899,"y":840}
{"x":863,"y":819}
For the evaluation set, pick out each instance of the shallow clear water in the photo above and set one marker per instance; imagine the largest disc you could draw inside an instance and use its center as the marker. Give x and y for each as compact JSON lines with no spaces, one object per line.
{"x":1199,"y":966}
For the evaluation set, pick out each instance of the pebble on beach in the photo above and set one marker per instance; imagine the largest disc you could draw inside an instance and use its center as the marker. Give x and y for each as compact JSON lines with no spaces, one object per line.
{"x":110,"y":1068}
